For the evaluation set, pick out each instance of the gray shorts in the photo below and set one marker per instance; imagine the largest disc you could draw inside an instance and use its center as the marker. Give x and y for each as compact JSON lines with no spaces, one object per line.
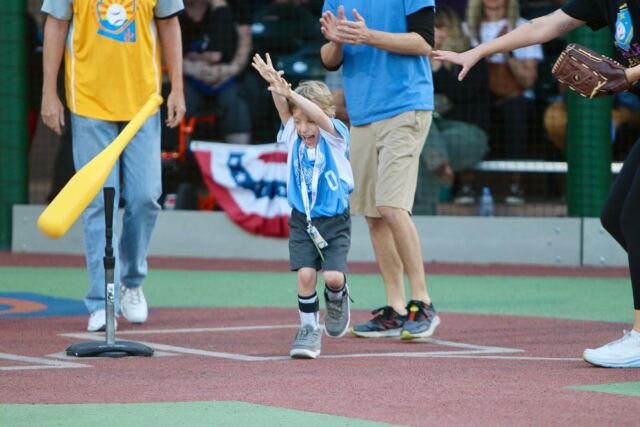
{"x":336,"y":230}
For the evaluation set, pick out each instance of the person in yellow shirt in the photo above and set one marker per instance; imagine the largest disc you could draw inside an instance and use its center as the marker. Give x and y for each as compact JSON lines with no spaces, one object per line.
{"x":112,"y":64}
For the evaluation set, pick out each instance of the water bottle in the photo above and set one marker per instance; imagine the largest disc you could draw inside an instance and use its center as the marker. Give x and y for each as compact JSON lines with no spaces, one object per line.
{"x":485,"y":206}
{"x":169,"y":202}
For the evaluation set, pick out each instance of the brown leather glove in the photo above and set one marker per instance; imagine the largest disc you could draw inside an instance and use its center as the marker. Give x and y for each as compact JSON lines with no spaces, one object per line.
{"x":589,"y":73}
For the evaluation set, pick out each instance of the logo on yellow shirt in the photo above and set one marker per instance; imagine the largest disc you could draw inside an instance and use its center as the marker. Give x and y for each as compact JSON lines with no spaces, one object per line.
{"x":117,"y":19}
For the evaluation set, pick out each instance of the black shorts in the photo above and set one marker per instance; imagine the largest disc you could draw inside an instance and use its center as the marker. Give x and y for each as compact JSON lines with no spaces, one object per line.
{"x":336,"y":230}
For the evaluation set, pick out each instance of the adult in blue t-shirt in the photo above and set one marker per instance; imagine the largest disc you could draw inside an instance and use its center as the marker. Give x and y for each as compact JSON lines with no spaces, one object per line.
{"x":382,"y":47}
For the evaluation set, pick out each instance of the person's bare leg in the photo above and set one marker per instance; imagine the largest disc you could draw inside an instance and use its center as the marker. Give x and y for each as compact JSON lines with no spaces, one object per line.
{"x":636,"y":320}
{"x":407,"y":244}
{"x":389,"y":263}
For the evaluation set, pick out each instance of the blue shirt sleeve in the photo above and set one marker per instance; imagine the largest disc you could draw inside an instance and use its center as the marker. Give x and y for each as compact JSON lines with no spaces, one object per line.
{"x":342,"y":129}
{"x":330,"y":5}
{"x":59,"y":9}
{"x":287,"y":134}
{"x":341,"y":141}
{"x":411,"y":6}
{"x":166,"y":8}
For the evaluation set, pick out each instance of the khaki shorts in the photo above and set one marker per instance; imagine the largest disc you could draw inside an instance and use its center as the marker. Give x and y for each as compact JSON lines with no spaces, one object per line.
{"x":384,"y":157}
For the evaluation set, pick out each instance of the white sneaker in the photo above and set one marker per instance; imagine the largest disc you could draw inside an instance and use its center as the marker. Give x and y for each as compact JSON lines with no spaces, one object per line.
{"x":98,"y":321}
{"x":133,"y":304}
{"x":622,"y":353}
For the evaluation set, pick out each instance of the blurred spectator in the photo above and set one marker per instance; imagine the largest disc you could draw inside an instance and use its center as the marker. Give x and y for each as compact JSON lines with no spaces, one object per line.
{"x":333,"y":79}
{"x":216,"y":40}
{"x":459,"y":6}
{"x":511,"y":77}
{"x":456,"y":140}
{"x":625,"y":123}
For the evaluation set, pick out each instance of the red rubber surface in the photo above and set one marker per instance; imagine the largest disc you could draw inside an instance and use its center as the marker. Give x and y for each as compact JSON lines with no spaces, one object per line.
{"x":208,"y":264}
{"x":481,"y":390}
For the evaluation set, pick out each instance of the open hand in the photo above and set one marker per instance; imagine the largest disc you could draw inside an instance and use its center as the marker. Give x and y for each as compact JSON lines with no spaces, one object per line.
{"x":280,"y":86}
{"x":352,"y":32}
{"x":466,"y":59}
{"x":277,"y":84}
{"x":266,"y":69}
{"x":329,"y":25}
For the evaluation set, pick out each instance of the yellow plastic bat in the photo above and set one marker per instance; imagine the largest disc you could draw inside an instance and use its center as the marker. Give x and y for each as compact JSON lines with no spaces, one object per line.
{"x":73,"y":199}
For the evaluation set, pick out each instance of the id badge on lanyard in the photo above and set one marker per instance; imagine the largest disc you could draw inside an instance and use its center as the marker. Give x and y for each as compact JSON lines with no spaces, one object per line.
{"x":317,"y":239}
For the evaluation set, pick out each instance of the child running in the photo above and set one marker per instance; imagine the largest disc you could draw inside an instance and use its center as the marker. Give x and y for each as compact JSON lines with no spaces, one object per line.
{"x":318,"y":186}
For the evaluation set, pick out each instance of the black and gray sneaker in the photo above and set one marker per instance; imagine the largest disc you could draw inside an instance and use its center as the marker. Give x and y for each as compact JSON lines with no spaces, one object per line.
{"x":386,"y":322}
{"x":307,"y":343}
{"x":338,"y":315}
{"x":421,"y":322}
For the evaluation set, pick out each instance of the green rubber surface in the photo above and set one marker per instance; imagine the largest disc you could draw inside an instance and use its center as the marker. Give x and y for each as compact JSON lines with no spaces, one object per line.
{"x":578,"y":298}
{"x":220,"y":414}
{"x":625,"y":389}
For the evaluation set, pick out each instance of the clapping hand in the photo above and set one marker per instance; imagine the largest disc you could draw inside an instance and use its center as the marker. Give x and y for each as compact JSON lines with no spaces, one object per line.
{"x":329,"y":25}
{"x":340,"y":30}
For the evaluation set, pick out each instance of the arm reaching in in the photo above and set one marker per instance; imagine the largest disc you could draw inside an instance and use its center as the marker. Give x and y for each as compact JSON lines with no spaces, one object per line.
{"x":539,"y":30}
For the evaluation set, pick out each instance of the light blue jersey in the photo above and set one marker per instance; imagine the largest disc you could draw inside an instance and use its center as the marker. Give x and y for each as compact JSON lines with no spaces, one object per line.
{"x":335,"y":181}
{"x":379,"y":84}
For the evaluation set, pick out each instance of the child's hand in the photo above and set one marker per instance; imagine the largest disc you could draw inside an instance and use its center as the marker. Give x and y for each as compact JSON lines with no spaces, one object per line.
{"x":266,"y":69}
{"x":280,"y":86}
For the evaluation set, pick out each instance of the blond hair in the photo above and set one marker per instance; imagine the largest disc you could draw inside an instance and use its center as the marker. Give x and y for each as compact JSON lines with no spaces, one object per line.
{"x":318,"y":93}
{"x":475,"y":16}
{"x":457,"y":40}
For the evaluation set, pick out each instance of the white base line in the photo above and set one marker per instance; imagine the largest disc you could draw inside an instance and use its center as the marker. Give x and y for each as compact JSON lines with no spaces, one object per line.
{"x":553,"y":359}
{"x":468,"y":349}
{"x":38,"y":363}
{"x":197,"y":330}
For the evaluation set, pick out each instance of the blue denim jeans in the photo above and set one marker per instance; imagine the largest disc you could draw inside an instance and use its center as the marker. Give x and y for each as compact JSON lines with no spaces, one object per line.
{"x":136,"y":177}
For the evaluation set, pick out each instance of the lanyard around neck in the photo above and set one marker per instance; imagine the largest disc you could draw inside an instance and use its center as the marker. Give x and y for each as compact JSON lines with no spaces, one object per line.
{"x":315,"y":177}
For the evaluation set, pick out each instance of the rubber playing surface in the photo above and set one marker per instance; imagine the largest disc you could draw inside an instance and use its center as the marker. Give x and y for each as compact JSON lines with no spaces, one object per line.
{"x":507,"y":353}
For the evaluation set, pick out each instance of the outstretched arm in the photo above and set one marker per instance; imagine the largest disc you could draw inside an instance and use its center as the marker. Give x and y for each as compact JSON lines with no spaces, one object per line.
{"x":539,"y":30}
{"x":313,"y":112}
{"x":281,"y":91}
{"x":272,"y":76}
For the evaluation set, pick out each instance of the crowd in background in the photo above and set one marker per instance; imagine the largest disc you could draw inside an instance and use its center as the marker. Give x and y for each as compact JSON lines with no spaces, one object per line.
{"x":509,"y":107}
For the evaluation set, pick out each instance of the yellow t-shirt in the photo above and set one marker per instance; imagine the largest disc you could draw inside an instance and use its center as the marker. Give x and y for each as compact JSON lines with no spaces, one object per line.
{"x":112,"y":58}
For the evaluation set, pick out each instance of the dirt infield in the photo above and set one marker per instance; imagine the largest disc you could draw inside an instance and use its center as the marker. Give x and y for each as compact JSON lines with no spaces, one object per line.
{"x":480,"y":369}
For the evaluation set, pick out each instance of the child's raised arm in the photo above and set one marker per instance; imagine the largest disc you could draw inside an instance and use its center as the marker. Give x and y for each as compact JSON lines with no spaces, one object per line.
{"x":314,"y":113}
{"x":272,"y":77}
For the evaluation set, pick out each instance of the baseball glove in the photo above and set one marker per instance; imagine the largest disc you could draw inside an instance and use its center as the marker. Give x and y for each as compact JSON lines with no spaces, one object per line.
{"x":589,"y":73}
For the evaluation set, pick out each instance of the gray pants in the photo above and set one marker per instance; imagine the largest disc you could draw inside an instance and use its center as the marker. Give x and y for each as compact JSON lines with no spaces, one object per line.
{"x":336,"y":230}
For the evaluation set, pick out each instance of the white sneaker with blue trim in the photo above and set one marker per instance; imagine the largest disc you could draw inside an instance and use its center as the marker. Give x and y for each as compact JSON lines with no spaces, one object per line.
{"x":622,"y":353}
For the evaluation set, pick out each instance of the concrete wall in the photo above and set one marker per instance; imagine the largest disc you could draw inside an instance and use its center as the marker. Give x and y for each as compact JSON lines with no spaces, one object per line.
{"x":544,"y":241}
